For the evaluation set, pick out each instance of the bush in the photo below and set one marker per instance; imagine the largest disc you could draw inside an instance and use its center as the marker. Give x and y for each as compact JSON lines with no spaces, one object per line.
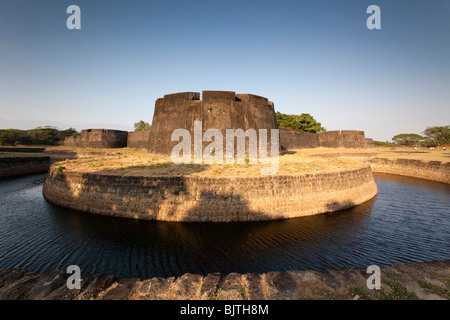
{"x":39,"y":136}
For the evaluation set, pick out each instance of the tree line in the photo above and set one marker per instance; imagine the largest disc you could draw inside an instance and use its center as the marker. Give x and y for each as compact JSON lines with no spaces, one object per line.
{"x":46,"y":135}
{"x":431,"y":137}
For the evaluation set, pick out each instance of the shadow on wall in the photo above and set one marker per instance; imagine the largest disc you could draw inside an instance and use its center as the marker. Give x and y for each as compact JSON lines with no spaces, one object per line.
{"x":197,"y":199}
{"x":175,"y":198}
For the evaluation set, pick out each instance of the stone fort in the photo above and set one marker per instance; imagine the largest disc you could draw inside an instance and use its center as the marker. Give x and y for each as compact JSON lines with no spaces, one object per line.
{"x":216,"y":110}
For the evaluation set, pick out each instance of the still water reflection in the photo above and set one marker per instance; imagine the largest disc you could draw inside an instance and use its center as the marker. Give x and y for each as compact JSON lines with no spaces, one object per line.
{"x":409,"y":220}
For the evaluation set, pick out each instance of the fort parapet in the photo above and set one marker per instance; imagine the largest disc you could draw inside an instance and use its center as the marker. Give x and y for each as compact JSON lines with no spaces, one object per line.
{"x":295,"y":139}
{"x":98,"y":138}
{"x":342,"y":139}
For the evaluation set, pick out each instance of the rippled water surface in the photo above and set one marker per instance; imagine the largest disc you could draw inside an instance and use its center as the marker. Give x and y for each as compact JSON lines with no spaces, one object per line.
{"x":409,"y":220}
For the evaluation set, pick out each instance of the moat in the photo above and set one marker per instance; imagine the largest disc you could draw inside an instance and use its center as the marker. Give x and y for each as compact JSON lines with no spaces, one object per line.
{"x":408,"y":221}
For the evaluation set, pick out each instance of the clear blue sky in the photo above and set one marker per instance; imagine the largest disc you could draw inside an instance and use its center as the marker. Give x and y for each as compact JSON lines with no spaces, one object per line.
{"x":314,"y":57}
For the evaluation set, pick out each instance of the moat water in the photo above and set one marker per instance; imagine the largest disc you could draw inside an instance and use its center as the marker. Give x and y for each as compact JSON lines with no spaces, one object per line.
{"x":408,"y":221}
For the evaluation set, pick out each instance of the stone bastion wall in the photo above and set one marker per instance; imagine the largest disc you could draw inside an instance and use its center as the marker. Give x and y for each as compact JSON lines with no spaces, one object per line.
{"x":199,"y":199}
{"x":215,"y":109}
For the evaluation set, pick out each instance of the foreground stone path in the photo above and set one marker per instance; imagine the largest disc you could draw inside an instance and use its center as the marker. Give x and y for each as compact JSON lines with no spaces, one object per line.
{"x":428,"y":280}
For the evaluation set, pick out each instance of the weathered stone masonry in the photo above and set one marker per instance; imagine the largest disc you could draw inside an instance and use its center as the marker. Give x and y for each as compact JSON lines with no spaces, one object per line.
{"x":138,"y":140}
{"x":98,"y":138}
{"x":433,"y":170}
{"x":220,"y":110}
{"x":210,"y":199}
{"x":13,"y":166}
{"x":295,"y":139}
{"x":215,"y":109}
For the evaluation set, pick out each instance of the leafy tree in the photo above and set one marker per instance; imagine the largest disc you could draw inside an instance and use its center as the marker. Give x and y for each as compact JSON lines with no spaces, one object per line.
{"x":407,"y":139}
{"x":303,"y":122}
{"x":70,"y":132}
{"x":141,"y":126}
{"x":44,"y":136}
{"x":438,"y":135}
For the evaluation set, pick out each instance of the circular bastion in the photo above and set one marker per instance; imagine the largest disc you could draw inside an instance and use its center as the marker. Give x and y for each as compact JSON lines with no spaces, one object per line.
{"x":209,"y":199}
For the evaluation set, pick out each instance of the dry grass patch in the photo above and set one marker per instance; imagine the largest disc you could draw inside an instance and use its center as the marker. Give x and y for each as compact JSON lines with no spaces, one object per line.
{"x":133,"y":162}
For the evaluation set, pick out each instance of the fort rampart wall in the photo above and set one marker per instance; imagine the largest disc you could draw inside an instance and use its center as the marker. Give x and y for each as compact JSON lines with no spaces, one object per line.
{"x":98,"y":138}
{"x":138,"y":140}
{"x":295,"y":139}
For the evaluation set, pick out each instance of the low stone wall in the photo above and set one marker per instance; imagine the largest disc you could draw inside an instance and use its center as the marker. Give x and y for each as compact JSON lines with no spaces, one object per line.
{"x":433,"y":170}
{"x":13,"y":166}
{"x":425,"y":280}
{"x":210,"y":199}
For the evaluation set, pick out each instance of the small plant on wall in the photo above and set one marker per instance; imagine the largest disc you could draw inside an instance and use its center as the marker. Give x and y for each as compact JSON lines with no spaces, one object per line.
{"x":60,"y":169}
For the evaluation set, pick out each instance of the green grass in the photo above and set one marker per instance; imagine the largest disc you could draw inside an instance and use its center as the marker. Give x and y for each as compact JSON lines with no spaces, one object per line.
{"x":355,"y":291}
{"x":442,"y":292}
{"x":326,"y":295}
{"x":399,"y":292}
{"x":215,"y":295}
